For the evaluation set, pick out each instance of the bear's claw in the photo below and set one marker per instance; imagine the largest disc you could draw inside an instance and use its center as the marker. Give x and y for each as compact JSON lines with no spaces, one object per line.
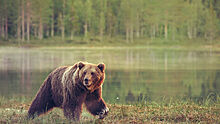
{"x":103,"y":113}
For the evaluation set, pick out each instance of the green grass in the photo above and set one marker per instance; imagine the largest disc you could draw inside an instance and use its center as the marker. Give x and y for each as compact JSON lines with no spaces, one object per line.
{"x":14,"y":110}
{"x":198,"y":44}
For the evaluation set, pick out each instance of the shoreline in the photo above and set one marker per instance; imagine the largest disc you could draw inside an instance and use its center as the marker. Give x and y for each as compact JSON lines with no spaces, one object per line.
{"x":177,"y":47}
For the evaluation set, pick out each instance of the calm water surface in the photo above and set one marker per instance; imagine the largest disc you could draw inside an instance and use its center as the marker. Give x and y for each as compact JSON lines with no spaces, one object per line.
{"x":132,"y":75}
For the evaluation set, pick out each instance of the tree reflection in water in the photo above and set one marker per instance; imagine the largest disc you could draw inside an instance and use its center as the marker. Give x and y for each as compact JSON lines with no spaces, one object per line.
{"x":132,"y":75}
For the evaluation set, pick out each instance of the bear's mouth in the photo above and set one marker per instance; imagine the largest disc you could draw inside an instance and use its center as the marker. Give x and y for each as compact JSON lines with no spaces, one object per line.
{"x":89,"y":85}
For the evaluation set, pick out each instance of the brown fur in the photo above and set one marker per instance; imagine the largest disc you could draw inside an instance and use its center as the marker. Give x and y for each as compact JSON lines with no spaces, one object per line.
{"x":68,"y":87}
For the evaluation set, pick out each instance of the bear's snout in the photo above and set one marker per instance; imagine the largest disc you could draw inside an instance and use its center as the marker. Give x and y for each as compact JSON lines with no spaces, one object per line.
{"x":86,"y":81}
{"x":103,"y":113}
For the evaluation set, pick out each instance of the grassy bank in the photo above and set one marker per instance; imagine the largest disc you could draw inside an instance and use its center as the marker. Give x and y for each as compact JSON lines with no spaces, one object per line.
{"x":15,"y":110}
{"x":116,"y":42}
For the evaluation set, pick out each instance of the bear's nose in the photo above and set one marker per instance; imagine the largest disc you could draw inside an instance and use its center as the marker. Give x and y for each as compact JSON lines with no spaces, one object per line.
{"x":86,"y":81}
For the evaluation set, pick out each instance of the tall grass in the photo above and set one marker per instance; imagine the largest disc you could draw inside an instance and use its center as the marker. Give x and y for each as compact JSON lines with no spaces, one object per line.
{"x":14,"y":110}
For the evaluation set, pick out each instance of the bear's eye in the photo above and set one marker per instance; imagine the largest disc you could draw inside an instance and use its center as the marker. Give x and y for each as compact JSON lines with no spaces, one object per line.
{"x":84,"y":72}
{"x":92,"y":73}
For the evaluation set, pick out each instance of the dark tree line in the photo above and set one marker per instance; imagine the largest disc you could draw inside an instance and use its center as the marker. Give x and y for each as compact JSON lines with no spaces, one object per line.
{"x":25,"y":20}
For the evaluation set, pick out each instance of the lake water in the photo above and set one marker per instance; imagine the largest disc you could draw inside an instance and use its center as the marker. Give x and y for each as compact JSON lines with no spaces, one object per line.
{"x":132,"y":74}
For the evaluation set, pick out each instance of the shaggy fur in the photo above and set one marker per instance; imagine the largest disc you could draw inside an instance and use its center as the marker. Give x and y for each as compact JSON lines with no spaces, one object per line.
{"x":68,"y":87}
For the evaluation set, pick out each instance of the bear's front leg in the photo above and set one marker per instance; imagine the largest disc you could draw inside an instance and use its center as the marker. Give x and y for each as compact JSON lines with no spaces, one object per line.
{"x":73,"y":112}
{"x":95,"y":104}
{"x":72,"y":104}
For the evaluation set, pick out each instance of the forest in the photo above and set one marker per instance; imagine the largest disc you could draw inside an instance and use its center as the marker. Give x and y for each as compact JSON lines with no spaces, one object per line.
{"x":124,"y":20}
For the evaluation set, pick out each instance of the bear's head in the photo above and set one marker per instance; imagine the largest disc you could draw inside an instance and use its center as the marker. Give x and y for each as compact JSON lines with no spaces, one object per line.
{"x":91,"y":75}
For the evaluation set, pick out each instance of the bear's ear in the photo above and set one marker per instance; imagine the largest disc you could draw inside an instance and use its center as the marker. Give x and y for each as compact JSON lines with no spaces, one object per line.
{"x":81,"y":65}
{"x":101,"y":66}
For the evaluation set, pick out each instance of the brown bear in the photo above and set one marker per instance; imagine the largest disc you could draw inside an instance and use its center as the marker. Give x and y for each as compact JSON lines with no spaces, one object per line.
{"x":68,"y":87}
